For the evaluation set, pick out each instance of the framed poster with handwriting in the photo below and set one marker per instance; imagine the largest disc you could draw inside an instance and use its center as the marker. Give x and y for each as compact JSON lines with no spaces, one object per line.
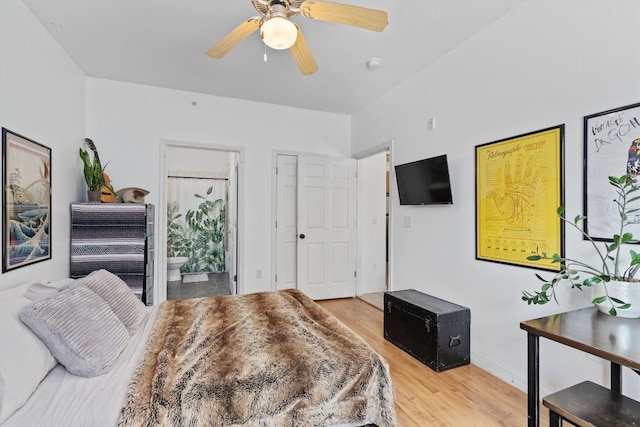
{"x":612,"y":148}
{"x":519,"y":186}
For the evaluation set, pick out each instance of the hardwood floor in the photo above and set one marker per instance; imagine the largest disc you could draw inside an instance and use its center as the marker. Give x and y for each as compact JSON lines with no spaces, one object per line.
{"x":465,"y":396}
{"x":376,"y":299}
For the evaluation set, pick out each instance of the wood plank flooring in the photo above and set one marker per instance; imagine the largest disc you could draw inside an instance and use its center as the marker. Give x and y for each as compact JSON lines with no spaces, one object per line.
{"x":465,"y":396}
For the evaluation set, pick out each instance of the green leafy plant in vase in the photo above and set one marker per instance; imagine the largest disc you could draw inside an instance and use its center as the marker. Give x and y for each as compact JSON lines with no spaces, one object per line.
{"x":93,"y":170}
{"x":613,"y":269}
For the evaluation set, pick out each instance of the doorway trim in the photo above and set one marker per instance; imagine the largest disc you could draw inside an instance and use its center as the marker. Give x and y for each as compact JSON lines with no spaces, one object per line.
{"x":388,"y":148}
{"x":160,"y":285}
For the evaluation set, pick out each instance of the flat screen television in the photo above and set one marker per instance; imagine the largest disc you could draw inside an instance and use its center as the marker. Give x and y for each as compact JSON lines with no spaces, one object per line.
{"x":424,"y":182}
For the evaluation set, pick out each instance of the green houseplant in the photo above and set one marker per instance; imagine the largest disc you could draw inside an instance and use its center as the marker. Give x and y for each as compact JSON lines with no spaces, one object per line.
{"x":93,"y":171}
{"x":612,"y":264}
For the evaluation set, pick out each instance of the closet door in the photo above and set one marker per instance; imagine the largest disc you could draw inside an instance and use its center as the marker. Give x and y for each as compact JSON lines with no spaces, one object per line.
{"x":326,"y":227}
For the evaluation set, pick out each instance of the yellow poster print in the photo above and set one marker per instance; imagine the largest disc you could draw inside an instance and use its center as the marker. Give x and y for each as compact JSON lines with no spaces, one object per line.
{"x":518,"y":190}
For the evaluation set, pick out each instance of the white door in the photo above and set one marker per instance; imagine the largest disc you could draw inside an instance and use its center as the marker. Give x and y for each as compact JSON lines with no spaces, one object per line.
{"x":326,"y":227}
{"x":286,"y":221}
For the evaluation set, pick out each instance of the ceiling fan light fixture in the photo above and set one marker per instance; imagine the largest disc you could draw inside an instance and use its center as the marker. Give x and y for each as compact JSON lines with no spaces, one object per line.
{"x":278,"y":33}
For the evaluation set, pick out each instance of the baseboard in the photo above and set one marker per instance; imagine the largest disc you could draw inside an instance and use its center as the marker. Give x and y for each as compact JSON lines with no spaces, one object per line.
{"x":499,"y":372}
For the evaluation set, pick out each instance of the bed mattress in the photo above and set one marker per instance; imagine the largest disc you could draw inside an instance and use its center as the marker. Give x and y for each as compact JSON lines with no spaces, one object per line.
{"x":64,"y":399}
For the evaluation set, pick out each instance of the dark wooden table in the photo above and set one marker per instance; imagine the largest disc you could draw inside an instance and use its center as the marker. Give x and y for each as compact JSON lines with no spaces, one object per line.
{"x":615,"y":339}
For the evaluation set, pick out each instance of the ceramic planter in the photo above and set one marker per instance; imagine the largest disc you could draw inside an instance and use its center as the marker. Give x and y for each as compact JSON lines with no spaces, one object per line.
{"x":626,"y":291}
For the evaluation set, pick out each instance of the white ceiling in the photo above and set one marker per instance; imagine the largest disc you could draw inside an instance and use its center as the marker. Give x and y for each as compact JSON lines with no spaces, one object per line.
{"x":162,"y":43}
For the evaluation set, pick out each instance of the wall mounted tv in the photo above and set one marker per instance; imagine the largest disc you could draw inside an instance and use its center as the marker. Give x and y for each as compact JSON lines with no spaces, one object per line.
{"x":424,"y":182}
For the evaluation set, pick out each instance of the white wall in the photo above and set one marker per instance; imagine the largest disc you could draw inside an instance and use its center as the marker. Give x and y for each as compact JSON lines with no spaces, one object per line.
{"x":194,"y":161}
{"x":546,"y":63}
{"x":42,"y":97}
{"x":128,"y":121}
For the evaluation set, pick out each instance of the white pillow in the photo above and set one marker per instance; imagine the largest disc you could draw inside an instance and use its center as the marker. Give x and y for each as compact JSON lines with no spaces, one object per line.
{"x":38,"y":291}
{"x":24,"y":359}
{"x":16,"y":290}
{"x":124,"y":303}
{"x":79,"y":329}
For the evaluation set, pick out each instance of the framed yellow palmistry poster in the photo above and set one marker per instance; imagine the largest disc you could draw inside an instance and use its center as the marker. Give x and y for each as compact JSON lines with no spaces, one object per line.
{"x":519,"y":187}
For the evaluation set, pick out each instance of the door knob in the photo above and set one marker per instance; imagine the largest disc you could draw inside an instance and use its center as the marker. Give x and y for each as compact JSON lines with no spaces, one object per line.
{"x":302,"y":236}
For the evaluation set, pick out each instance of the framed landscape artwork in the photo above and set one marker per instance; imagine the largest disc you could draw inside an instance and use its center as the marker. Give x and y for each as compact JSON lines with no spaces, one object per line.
{"x":26,"y":201}
{"x":519,"y":186}
{"x":612,"y":148}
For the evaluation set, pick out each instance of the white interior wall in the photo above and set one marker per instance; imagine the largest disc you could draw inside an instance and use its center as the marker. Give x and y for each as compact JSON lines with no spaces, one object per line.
{"x":42,"y":97}
{"x":197,"y":161}
{"x":546,"y":63}
{"x":128,"y":121}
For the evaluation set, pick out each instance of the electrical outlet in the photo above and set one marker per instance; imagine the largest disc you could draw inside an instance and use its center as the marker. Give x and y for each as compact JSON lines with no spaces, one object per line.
{"x":407,"y":222}
{"x":258,"y":274}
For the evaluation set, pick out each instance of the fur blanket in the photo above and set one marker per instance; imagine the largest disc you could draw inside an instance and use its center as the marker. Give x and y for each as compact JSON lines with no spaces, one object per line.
{"x":263,"y":359}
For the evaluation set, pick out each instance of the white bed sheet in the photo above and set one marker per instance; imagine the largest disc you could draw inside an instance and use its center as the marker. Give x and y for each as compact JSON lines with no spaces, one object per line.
{"x":63,"y":399}
{"x":66,"y":400}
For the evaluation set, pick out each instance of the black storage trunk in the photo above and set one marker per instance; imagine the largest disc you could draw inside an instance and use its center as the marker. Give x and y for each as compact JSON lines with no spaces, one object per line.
{"x":434,"y":331}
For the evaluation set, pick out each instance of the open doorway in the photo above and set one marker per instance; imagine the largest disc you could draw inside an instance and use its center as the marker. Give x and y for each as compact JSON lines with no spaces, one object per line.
{"x":200,"y":207}
{"x":374,"y":232}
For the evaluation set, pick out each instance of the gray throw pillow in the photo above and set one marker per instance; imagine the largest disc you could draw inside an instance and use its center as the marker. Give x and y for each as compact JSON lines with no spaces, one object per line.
{"x":79,"y":329}
{"x":124,"y":303}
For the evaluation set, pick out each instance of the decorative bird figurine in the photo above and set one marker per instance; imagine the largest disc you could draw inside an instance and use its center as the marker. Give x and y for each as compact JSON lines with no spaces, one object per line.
{"x":633,"y":161}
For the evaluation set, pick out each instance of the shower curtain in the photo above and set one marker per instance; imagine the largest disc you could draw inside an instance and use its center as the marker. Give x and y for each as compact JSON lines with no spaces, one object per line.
{"x":204,"y":229}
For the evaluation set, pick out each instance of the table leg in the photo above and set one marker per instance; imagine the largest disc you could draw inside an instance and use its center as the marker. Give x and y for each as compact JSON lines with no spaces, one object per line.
{"x":616,"y":377}
{"x":533,"y":380}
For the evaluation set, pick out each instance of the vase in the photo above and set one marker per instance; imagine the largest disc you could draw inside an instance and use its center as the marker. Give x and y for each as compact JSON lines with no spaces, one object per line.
{"x":629,"y":292}
{"x":94,"y":196}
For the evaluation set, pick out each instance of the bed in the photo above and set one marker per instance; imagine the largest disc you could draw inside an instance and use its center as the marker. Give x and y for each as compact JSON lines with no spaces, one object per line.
{"x":263,"y":359}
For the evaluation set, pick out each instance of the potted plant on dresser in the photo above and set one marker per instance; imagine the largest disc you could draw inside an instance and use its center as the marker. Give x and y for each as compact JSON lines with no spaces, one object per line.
{"x":615,"y":290}
{"x":94,"y":176}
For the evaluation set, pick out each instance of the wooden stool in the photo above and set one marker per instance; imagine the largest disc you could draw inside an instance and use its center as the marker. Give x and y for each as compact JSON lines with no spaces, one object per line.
{"x":588,"y":404}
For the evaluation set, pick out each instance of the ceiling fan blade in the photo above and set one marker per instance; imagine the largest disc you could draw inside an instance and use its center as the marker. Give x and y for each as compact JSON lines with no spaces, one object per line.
{"x":302,"y":55}
{"x":238,"y":34}
{"x":362,"y":17}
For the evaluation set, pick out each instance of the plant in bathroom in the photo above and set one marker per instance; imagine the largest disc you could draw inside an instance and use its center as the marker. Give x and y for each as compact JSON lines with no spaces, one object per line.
{"x":177,"y":244}
{"x":206,"y":229}
{"x":611,"y":264}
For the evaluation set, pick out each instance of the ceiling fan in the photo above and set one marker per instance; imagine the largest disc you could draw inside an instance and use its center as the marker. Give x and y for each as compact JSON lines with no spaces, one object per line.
{"x":279,"y":32}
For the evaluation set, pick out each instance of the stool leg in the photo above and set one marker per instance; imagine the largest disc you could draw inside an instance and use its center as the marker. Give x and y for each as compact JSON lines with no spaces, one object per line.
{"x":555,"y":420}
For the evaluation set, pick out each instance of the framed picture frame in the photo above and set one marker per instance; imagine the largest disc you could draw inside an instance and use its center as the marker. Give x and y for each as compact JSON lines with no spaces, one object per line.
{"x":519,"y":187}
{"x":26,"y":201}
{"x":611,"y":148}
